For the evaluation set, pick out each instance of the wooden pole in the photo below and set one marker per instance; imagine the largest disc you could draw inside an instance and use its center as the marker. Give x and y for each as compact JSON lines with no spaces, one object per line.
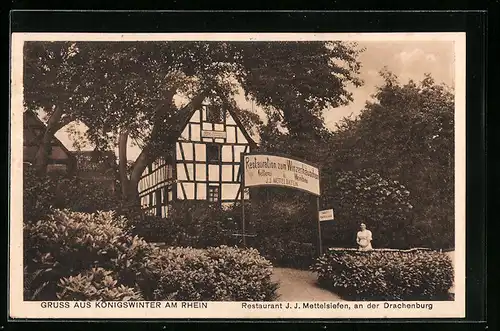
{"x":243,"y":217}
{"x":242,"y":192}
{"x":320,"y":244}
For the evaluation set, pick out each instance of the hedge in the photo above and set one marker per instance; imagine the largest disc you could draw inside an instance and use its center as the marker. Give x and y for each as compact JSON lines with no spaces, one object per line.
{"x":214,"y":274}
{"x":80,"y":256}
{"x":42,"y":193}
{"x":196,"y":224}
{"x":67,"y":243}
{"x":386,"y":275}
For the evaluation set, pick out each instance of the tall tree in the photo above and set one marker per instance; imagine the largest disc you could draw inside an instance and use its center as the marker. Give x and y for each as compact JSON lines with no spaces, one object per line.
{"x":407,"y":134}
{"x":51,"y":83}
{"x":127,"y":90}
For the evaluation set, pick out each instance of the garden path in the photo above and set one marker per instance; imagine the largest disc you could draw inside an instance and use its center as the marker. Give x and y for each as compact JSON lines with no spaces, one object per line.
{"x":300,"y":285}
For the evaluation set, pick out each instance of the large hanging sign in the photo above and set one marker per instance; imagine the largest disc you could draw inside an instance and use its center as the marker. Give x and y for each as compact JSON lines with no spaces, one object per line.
{"x":272,"y":170}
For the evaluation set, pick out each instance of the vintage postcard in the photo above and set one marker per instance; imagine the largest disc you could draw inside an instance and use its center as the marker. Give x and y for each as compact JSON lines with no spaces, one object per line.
{"x":255,"y":175}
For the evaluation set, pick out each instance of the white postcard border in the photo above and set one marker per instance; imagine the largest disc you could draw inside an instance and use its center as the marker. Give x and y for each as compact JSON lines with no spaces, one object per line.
{"x":21,"y":309}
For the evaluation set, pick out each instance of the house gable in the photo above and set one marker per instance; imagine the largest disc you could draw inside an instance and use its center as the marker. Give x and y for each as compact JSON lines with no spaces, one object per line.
{"x":206,"y":161}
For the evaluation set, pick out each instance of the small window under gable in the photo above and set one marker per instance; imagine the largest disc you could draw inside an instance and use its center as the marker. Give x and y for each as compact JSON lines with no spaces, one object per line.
{"x":214,"y":114}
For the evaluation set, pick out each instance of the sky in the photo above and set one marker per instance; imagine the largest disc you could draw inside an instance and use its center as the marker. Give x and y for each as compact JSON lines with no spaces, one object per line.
{"x":408,"y":60}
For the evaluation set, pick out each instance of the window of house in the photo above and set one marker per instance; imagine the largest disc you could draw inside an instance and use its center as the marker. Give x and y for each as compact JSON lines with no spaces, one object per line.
{"x":150,"y":200}
{"x":214,"y":114}
{"x":213,"y":193}
{"x":213,"y":153}
{"x":158,"y":202}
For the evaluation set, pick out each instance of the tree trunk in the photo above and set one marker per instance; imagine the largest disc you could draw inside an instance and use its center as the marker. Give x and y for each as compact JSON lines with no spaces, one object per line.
{"x":147,"y":154}
{"x":122,"y":162}
{"x":140,"y":165}
{"x":45,"y":146}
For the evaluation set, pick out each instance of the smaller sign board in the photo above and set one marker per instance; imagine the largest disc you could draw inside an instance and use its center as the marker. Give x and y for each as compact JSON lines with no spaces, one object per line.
{"x":326,"y":215}
{"x":213,"y":134}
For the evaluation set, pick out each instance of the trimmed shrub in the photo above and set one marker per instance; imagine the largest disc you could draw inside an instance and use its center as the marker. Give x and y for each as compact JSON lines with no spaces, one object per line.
{"x":386,"y":275}
{"x":214,"y":274}
{"x":67,"y":243}
{"x":286,"y":253}
{"x":78,"y":256}
{"x":189,"y":224}
{"x":96,"y":284}
{"x":42,"y":193}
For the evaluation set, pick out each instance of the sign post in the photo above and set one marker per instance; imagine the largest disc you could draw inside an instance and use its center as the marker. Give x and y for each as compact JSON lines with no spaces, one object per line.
{"x":261,"y":169}
{"x":320,"y":244}
{"x":323,"y":215}
{"x":242,"y":193}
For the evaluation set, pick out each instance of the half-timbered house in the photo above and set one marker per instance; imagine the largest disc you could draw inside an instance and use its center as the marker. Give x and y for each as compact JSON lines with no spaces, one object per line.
{"x":206,"y":146}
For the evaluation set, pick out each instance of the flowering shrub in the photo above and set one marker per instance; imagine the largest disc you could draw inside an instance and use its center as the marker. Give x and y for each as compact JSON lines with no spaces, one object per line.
{"x":386,"y":275}
{"x":214,"y":274}
{"x":366,"y":197}
{"x":93,"y":285}
{"x":67,"y":243}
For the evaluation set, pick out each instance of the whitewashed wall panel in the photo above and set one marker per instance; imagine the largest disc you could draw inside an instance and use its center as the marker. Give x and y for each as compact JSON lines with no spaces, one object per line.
{"x":201,"y":172}
{"x":227,"y":153}
{"x":227,"y":173}
{"x":229,"y":191}
{"x":195,"y":132}
{"x":213,"y":173}
{"x":202,"y":191}
{"x":181,"y":172}
{"x":231,"y":134}
{"x":201,"y":152}
{"x":187,"y":148}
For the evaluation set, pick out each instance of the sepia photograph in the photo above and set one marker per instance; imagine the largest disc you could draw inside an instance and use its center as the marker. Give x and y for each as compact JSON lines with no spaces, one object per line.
{"x":237,"y":175}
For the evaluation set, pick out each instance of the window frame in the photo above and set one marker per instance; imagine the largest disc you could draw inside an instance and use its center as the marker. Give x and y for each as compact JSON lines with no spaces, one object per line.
{"x":216,"y":116}
{"x":210,"y":195}
{"x":211,"y":160}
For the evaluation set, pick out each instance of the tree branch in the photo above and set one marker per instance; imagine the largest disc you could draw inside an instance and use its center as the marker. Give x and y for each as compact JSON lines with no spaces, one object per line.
{"x":44,"y":149}
{"x":146,"y":155}
{"x":122,"y":157}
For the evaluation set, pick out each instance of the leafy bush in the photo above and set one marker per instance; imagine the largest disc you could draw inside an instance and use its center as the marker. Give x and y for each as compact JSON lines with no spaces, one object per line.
{"x":285,"y":228}
{"x":86,"y":195}
{"x":386,"y":275}
{"x":94,"y":285}
{"x":214,"y":274}
{"x":67,"y":243}
{"x":366,"y":197}
{"x":39,"y":194}
{"x":286,"y":253}
{"x":189,"y":224}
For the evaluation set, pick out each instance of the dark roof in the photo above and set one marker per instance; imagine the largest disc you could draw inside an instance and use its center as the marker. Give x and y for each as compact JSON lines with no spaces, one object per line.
{"x":87,"y":160}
